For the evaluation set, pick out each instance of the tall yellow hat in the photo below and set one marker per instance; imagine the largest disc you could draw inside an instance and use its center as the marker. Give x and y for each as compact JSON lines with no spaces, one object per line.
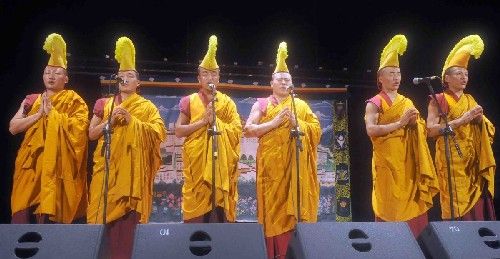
{"x":390,"y":54}
{"x":125,"y":54}
{"x":56,"y":48}
{"x":209,"y":61}
{"x":460,"y":54}
{"x":281,"y":58}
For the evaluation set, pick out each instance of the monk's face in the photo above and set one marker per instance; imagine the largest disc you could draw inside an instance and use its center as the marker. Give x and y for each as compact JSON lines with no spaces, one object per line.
{"x":281,"y":83}
{"x":389,"y":78}
{"x":456,"y":78}
{"x":206,"y":77}
{"x":54,"y":78}
{"x":130,"y":81}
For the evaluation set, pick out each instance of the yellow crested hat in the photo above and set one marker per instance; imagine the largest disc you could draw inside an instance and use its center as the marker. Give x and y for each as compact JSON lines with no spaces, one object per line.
{"x":56,"y":48}
{"x":209,"y":62}
{"x":281,"y":58}
{"x":460,"y":54}
{"x":125,"y":54}
{"x":390,"y":54}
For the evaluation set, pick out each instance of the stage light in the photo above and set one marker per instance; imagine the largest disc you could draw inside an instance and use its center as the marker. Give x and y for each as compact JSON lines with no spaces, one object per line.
{"x":260,"y":63}
{"x":320,"y":68}
{"x":255,"y":83}
{"x":235,"y":63}
{"x":296,"y":66}
{"x":327,"y":86}
{"x":303,"y":85}
{"x":368,"y":71}
{"x":165,"y":59}
{"x":177,"y":79}
{"x":102,"y":77}
{"x":345,"y":68}
{"x":106,"y":56}
{"x":151,"y":79}
{"x":230,"y":81}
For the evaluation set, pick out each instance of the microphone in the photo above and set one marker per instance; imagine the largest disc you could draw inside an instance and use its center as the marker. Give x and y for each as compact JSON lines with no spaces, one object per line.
{"x":120,"y":80}
{"x":211,"y":87}
{"x":418,"y":80}
{"x":290,"y":87}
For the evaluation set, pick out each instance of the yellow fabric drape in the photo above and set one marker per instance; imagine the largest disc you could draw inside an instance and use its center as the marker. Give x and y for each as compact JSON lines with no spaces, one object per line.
{"x":404,"y":177}
{"x":277,"y":175}
{"x":135,"y":159}
{"x":477,"y":166}
{"x":197,"y":159}
{"x":51,"y":164}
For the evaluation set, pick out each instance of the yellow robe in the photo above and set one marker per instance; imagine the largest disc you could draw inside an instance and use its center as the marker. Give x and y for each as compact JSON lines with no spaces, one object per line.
{"x":477,"y":167}
{"x":404,"y":177}
{"x":51,"y":164}
{"x":135,"y":159}
{"x":197,"y":160}
{"x":277,"y":173}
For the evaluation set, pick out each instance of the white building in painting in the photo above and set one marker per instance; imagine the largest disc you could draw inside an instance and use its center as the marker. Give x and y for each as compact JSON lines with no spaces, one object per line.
{"x":325,"y":177}
{"x":171,"y":156}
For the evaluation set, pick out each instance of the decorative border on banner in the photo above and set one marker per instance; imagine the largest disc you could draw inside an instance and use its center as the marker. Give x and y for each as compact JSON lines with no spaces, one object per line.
{"x":342,"y":161}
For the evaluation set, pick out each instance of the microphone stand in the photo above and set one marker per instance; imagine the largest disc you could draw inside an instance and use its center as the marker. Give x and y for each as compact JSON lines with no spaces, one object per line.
{"x":212,"y":133}
{"x":107,"y":131}
{"x":447,"y":132}
{"x":295,"y":133}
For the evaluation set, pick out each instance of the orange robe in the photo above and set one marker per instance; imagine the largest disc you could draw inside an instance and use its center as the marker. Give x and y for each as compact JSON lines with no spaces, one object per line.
{"x":476,"y":169}
{"x":404,"y":177}
{"x":277,"y":174}
{"x":197,"y":160}
{"x":135,"y":159}
{"x":51,"y":164}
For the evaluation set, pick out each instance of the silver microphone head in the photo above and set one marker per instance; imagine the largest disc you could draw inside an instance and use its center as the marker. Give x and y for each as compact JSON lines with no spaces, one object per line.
{"x":416,"y":80}
{"x":118,"y":79}
{"x":211,"y":87}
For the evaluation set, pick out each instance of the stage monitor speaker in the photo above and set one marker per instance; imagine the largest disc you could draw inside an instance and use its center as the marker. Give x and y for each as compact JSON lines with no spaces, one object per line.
{"x":51,"y":241}
{"x":353,"y":240}
{"x":461,"y":239}
{"x":214,"y":240}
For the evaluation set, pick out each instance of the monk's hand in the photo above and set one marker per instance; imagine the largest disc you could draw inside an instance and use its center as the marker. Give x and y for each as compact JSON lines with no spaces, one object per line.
{"x":479,"y":116}
{"x":413,"y":118}
{"x":40,"y":111}
{"x":291,"y":118}
{"x":408,"y":115}
{"x":475,"y":115}
{"x":209,"y":115}
{"x":281,"y":117}
{"x":47,"y":104}
{"x":122,"y":115}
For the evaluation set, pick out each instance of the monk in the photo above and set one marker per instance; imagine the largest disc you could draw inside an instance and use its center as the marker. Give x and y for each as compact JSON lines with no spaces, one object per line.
{"x":473,"y":173}
{"x":50,"y":178}
{"x":404,"y":177}
{"x":271,"y":120}
{"x":135,"y":158}
{"x":195,"y":117}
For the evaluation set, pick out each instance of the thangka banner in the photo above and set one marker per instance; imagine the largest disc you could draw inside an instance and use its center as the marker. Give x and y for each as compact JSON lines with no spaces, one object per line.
{"x":333,"y":163}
